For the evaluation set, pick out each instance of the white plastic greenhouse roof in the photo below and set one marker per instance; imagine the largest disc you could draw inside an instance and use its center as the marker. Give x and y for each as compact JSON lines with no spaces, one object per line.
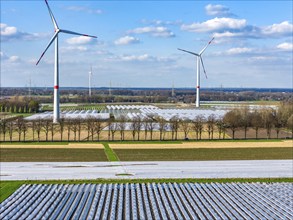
{"x":150,"y":201}
{"x":83,"y":114}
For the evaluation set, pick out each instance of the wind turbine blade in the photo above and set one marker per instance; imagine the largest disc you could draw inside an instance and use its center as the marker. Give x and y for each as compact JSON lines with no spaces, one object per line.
{"x":75,"y":33}
{"x":52,"y":16}
{"x":49,"y":44}
{"x":188,"y":52}
{"x":206,"y":46}
{"x":204,"y":70}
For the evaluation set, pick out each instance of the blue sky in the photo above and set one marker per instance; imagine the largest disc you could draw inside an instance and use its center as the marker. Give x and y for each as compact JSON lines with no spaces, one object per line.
{"x":138,"y":40}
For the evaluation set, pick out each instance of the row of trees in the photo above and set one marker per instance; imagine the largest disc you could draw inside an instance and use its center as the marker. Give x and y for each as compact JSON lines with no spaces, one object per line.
{"x":232,"y":122}
{"x":19,"y":105}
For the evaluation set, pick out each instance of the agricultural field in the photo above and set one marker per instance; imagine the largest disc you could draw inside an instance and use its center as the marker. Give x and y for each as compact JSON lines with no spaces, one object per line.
{"x":201,"y":154}
{"x":51,"y":155}
{"x":151,"y":201}
{"x":147,"y":151}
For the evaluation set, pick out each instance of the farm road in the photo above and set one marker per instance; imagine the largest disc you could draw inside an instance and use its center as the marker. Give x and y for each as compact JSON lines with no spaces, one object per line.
{"x":143,"y":170}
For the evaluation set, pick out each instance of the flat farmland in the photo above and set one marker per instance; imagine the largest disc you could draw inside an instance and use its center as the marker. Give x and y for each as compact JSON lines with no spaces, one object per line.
{"x":43,"y":154}
{"x":202,"y":154}
{"x":205,"y":144}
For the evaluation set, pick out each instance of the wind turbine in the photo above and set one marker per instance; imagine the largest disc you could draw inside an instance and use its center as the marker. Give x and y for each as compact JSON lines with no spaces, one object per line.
{"x":199,"y":60}
{"x":56,"y":113}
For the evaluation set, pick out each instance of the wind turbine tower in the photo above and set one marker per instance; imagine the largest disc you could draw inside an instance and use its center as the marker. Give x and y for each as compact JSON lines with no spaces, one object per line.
{"x":56,"y":112}
{"x":173,"y":90}
{"x":198,"y":62}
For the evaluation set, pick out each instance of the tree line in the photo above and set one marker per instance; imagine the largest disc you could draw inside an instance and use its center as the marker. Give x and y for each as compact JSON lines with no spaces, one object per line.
{"x":18,"y":104}
{"x":235,"y":120}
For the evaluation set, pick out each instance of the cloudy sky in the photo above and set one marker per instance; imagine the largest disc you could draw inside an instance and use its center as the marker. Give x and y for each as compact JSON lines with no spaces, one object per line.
{"x":138,"y":40}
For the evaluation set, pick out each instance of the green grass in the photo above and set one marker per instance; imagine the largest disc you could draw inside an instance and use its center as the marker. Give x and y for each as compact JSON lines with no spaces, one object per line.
{"x":9,"y":187}
{"x":110,"y":153}
{"x":51,"y":155}
{"x":143,"y":142}
{"x":183,"y":141}
{"x":204,"y":154}
{"x":35,"y":143}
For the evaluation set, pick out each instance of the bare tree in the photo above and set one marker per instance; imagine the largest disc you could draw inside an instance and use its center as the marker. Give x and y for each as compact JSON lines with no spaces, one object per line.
{"x":256,"y":120}
{"x":267,"y":120}
{"x":113,"y":128}
{"x":98,"y":127}
{"x":10,"y":128}
{"x":220,"y":126}
{"x":19,"y":123}
{"x":185,"y":126}
{"x":245,"y":119}
{"x":52,"y":128}
{"x":150,"y":127}
{"x":278,"y":122}
{"x":282,"y":114}
{"x":290,"y":125}
{"x":74,"y":127}
{"x":197,"y":125}
{"x":174,"y":125}
{"x":210,"y":125}
{"x":61,"y":127}
{"x":24,"y":129}
{"x":109,"y":124}
{"x":4,"y":128}
{"x":46,"y":127}
{"x":162,"y":126}
{"x":133,"y":127}
{"x":68,"y":127}
{"x":90,"y":126}
{"x":122,"y":126}
{"x":38,"y":127}
{"x":138,"y":126}
{"x":231,"y":118}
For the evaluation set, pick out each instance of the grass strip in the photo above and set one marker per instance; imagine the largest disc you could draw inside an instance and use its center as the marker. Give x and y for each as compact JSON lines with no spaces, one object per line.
{"x":110,"y":153}
{"x":51,"y":155}
{"x":205,"y":154}
{"x":137,"y":142}
{"x":35,"y":143}
{"x":8,"y":187}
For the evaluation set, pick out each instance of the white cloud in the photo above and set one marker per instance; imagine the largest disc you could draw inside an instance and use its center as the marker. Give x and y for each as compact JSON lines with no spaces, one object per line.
{"x":84,"y":9}
{"x":74,"y":48}
{"x":126,"y":40}
{"x":238,"y":28}
{"x":14,"y":59}
{"x":216,"y":24}
{"x":285,"y":46}
{"x":154,"y":31}
{"x":239,"y":50}
{"x":80,"y":40}
{"x":160,"y":22}
{"x":143,"y":57}
{"x":284,"y":28}
{"x":218,"y":10}
{"x":11,"y":59}
{"x":9,"y":33}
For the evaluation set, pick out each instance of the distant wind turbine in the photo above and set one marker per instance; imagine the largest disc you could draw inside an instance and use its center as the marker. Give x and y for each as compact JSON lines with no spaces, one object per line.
{"x":199,"y":60}
{"x":56,"y":113}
